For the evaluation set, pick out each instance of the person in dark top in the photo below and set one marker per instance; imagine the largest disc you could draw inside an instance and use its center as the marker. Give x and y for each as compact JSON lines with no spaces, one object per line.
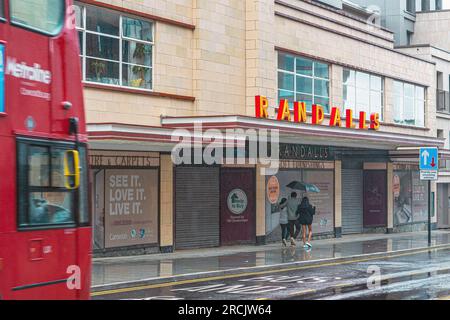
{"x":306,"y":214}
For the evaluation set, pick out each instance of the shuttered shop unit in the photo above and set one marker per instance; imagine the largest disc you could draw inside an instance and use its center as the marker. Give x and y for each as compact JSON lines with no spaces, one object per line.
{"x":197,"y":223}
{"x":352,"y":201}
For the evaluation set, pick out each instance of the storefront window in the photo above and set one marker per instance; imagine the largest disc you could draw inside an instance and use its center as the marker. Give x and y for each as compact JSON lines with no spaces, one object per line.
{"x":363,"y":92}
{"x":410,"y":197}
{"x":115,"y":49}
{"x":409,"y":104}
{"x":323,"y":201}
{"x":305,"y":80}
{"x":45,"y":16}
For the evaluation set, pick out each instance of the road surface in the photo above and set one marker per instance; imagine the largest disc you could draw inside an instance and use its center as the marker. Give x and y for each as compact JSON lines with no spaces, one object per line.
{"x":422,"y":275}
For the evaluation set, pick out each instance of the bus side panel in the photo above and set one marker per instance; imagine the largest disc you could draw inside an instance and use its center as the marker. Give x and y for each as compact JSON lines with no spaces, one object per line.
{"x":84,"y":261}
{"x":52,"y":292}
{"x":5,"y":267}
{"x":42,"y":258}
{"x":66,"y":85}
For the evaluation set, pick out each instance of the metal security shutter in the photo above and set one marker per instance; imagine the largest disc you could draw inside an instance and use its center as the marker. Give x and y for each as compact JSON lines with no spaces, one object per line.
{"x":197,"y":208}
{"x":352,"y":201}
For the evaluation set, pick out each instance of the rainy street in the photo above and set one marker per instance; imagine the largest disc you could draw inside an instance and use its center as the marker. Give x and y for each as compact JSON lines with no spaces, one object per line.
{"x":423,"y":275}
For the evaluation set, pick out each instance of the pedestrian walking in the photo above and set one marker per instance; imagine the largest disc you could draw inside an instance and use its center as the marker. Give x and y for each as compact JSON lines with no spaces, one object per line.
{"x":306,"y":214}
{"x":294,"y":225}
{"x":284,"y":222}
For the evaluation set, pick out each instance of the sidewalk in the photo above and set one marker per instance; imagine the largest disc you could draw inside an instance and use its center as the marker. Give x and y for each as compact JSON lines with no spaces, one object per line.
{"x":122,"y":271}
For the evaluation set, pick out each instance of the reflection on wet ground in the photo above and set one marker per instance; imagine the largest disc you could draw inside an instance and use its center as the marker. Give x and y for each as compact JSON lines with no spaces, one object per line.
{"x":112,"y":270}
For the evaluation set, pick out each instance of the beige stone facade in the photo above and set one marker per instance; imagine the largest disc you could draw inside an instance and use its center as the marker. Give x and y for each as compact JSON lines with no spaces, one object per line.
{"x":212,"y":57}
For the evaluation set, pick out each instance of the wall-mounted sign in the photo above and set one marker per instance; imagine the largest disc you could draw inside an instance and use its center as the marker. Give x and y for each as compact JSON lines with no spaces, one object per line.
{"x":131,"y":207}
{"x":237,"y":201}
{"x":299,"y":115}
{"x":305,"y":152}
{"x":104,"y":158}
{"x":291,"y":164}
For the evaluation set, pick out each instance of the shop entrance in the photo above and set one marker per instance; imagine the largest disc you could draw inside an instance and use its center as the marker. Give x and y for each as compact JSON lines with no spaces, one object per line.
{"x":352,"y":201}
{"x":197,"y":220}
{"x":443,"y":209}
{"x":237,"y":206}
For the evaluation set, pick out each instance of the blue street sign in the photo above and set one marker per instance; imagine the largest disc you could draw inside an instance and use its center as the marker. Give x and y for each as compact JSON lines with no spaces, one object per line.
{"x":2,"y":78}
{"x":429,"y":159}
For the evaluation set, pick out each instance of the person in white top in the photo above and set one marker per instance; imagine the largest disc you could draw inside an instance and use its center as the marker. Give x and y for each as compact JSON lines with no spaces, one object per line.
{"x":284,"y":222}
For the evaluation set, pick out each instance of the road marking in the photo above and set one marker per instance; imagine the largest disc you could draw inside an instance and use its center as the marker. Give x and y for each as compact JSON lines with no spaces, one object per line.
{"x":299,"y":293}
{"x":231,"y":276}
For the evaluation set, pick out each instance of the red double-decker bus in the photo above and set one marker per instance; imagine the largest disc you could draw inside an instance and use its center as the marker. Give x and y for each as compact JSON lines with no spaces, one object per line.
{"x":45,"y":233}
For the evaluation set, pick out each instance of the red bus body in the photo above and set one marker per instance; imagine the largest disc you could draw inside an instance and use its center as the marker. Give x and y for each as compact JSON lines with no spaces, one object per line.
{"x":37,"y":263}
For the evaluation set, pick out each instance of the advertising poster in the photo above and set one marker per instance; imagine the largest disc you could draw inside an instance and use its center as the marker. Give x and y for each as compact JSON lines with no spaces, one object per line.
{"x":131,"y":207}
{"x":375,"y":195}
{"x":403,"y":198}
{"x":411,"y":204}
{"x":237,"y":217}
{"x":419,"y":198}
{"x":323,"y":201}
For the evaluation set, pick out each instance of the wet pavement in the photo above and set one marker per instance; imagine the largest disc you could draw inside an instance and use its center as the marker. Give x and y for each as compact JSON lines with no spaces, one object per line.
{"x":424,"y":275}
{"x":108,"y":271}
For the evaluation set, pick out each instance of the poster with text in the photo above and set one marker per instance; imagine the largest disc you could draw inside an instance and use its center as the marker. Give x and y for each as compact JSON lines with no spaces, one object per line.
{"x":131,"y":207}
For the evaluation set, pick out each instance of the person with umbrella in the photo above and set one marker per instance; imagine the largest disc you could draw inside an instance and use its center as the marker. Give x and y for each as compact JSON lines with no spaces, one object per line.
{"x":304,"y":212}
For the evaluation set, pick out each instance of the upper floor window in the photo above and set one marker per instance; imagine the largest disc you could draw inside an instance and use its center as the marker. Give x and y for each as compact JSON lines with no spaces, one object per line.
{"x":409,"y":104}
{"x":363,"y":92}
{"x":46,"y":16}
{"x":115,"y":49}
{"x":303,"y":80}
{"x":411,"y":6}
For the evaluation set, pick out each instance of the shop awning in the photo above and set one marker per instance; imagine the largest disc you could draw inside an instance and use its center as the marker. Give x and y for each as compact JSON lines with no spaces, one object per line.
{"x":304,"y":133}
{"x":153,"y":137}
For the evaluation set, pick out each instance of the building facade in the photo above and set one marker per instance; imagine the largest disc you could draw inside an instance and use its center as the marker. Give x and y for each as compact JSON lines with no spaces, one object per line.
{"x":160,"y":72}
{"x":421,"y":28}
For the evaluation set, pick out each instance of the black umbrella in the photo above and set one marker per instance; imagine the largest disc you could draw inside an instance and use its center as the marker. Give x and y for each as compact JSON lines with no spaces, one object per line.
{"x":302,"y":186}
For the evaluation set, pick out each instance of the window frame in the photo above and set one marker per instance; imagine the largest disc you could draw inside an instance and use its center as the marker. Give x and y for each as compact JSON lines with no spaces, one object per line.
{"x":37,"y":30}
{"x":312,"y":78}
{"x":370,"y":89}
{"x":2,"y":10}
{"x":395,"y":96}
{"x":83,"y":29}
{"x":24,"y":190}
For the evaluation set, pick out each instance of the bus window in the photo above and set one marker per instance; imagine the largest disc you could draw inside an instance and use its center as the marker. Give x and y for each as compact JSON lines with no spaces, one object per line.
{"x":2,"y":8}
{"x":41,"y":182}
{"x":45,"y":16}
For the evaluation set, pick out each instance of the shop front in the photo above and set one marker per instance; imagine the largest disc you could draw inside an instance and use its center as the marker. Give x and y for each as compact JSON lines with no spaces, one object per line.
{"x":214,"y":206}
{"x":125,"y":202}
{"x":307,"y":164}
{"x":410,"y":196}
